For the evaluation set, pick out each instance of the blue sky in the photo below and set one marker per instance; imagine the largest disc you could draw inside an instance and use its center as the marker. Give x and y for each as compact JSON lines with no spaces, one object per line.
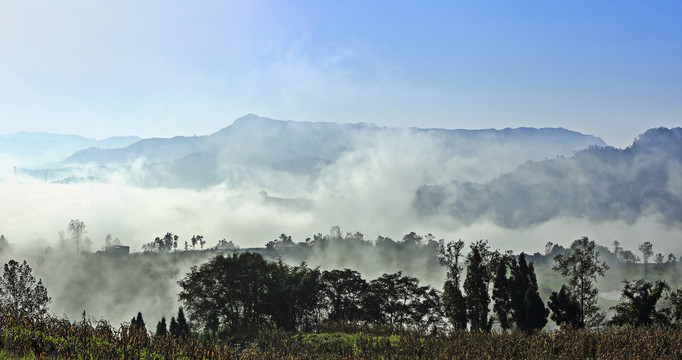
{"x":165,"y":68}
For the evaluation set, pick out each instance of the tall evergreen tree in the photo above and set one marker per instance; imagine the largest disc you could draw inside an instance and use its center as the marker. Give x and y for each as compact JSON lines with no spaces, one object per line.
{"x":476,"y":289}
{"x":139,"y":322}
{"x":502,"y":288}
{"x":454,"y":306}
{"x":536,"y":311}
{"x":173,"y":329}
{"x":161,"y":329}
{"x":183,"y":327}
{"x":4,"y":245}
{"x":528,"y":310}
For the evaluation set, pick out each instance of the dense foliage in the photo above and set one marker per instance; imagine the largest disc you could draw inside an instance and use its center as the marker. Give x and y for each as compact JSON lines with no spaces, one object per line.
{"x":244,"y":292}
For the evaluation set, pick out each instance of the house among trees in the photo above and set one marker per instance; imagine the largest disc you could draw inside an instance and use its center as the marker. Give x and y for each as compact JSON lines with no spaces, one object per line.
{"x":115,"y":250}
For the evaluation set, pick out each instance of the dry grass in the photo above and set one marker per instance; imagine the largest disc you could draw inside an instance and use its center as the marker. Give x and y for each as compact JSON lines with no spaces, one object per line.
{"x":54,"y":338}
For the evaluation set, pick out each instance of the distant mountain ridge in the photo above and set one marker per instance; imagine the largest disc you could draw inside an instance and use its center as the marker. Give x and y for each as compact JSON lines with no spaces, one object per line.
{"x":253,"y":145}
{"x":29,"y":149}
{"x":598,"y":183}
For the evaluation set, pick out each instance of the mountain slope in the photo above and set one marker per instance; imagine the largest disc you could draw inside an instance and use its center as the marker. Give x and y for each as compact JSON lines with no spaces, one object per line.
{"x":599,"y":183}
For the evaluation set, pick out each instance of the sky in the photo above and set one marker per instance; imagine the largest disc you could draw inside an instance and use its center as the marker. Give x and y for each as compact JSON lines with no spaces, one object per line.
{"x":165,"y":68}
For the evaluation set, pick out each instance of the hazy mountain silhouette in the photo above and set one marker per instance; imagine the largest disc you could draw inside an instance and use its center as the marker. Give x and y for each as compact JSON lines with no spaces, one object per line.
{"x":598,"y":183}
{"x":29,"y":149}
{"x":254,"y":148}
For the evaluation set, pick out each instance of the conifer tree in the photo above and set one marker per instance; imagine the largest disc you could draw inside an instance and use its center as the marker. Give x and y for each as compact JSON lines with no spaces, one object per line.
{"x":4,"y":245}
{"x":183,"y":327}
{"x":502,"y":294}
{"x":528,"y":310}
{"x":476,"y":289}
{"x":161,"y":329}
{"x":173,"y":328}
{"x":537,"y":313}
{"x":139,"y":322}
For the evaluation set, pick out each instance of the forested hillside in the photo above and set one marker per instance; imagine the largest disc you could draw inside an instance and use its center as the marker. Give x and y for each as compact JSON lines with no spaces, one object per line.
{"x":599,"y":183}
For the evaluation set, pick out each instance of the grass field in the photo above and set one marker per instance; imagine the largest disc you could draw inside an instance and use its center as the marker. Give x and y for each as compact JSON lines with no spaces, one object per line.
{"x":50,"y":338}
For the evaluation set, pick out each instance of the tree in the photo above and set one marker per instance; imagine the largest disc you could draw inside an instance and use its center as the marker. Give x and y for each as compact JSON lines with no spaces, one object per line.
{"x":173,"y":329}
{"x":77,"y":229}
{"x":639,"y":304}
{"x":305,"y":290}
{"x":162,"y":244}
{"x":139,"y":322}
{"x":659,"y":258}
{"x":672,"y":258}
{"x":675,"y":298}
{"x":502,"y":288}
{"x":183,"y":327}
{"x":344,"y":291}
{"x":528,"y":310}
{"x":388,"y":304}
{"x":226,"y":245}
{"x":647,"y":252}
{"x":179,"y":328}
{"x":230,"y":287}
{"x":536,"y":312}
{"x":628,"y":257}
{"x":427,"y":310}
{"x":581,"y":265}
{"x":110,"y":241}
{"x":617,"y":249}
{"x":454,"y":304}
{"x":548,"y":247}
{"x":565,"y":308}
{"x":4,"y":245}
{"x":476,"y":289}
{"x":161,"y":328}
{"x":20,"y":292}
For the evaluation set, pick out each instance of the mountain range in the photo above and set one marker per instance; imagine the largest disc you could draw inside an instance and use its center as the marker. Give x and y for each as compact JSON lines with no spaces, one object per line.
{"x":252,"y":145}
{"x":34,"y":149}
{"x":513,"y":177}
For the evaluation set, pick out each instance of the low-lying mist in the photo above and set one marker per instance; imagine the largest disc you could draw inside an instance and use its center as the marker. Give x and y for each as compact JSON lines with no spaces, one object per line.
{"x":369,"y":187}
{"x":114,"y":288}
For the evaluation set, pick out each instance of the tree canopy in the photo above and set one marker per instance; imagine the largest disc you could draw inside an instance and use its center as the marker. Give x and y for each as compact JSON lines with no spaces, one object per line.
{"x":19,"y":290}
{"x":581,"y":265}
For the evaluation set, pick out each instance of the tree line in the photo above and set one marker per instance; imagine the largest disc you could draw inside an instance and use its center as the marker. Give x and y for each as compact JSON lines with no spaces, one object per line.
{"x":241,"y":291}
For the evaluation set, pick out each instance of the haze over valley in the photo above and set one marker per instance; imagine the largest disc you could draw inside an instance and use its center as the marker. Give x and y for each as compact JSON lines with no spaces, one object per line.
{"x":259,"y":178}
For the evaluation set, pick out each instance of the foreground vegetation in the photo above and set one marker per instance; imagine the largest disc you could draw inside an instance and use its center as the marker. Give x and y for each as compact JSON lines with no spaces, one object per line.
{"x":49,"y":337}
